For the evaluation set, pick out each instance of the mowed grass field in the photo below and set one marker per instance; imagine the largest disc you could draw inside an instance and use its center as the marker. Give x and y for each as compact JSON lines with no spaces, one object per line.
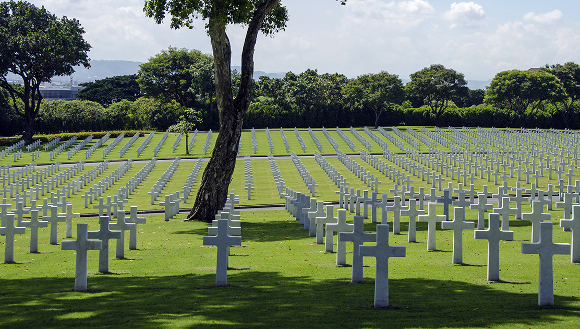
{"x":279,"y":277}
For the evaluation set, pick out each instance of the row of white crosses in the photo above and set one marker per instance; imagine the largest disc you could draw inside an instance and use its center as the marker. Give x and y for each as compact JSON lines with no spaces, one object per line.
{"x":304,"y":173}
{"x":330,"y":139}
{"x":97,"y":144}
{"x":144,"y":144}
{"x":280,"y":185}
{"x":407,"y":138}
{"x":176,"y":142}
{"x":127,"y":145}
{"x":398,"y":143}
{"x":163,"y":179}
{"x":285,"y":140}
{"x":254,"y":140}
{"x":112,"y":145}
{"x":106,"y":232}
{"x":319,"y":221}
{"x":376,"y":138}
{"x":300,"y":140}
{"x":12,"y":148}
{"x":224,"y":232}
{"x":361,"y":139}
{"x":348,"y":142}
{"x":315,"y":139}
{"x":207,"y":142}
{"x":188,"y":185}
{"x":159,"y":145}
{"x":54,"y":153}
{"x":72,"y":152}
{"x":248,"y":176}
{"x":362,"y":173}
{"x":270,"y":142}
{"x":192,"y":140}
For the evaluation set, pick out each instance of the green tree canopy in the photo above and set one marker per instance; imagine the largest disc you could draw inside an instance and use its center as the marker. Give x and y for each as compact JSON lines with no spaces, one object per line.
{"x":569,"y":75}
{"x":168,"y":75}
{"x":523,"y":92}
{"x":437,"y":86}
{"x":110,"y":90}
{"x":377,"y":92}
{"x":36,"y":45}
{"x":266,"y":16}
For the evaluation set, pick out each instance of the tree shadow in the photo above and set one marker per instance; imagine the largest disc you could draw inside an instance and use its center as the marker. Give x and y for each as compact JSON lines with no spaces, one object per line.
{"x":269,"y":300}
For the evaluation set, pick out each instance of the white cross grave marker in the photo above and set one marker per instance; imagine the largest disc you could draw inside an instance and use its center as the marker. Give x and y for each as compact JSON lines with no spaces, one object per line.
{"x":432,"y":218}
{"x":574,"y":225}
{"x":493,"y":235}
{"x":10,"y":230}
{"x":104,"y":234}
{"x":458,"y":225}
{"x":382,"y":252}
{"x":358,"y":237}
{"x":81,"y":245}
{"x":223,"y":241}
{"x":546,"y":249}
{"x":34,"y":224}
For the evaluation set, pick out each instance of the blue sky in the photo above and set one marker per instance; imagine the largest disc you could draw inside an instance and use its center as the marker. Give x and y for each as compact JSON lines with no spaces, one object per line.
{"x":476,"y":38}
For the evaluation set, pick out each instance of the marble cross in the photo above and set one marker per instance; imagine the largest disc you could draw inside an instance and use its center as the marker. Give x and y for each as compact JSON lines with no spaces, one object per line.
{"x":458,"y":225}
{"x":382,"y":252}
{"x":482,"y":206}
{"x":54,"y":219}
{"x":536,"y":216}
{"x":81,"y":245}
{"x":69,"y":215}
{"x":122,"y":226}
{"x":321,"y":225}
{"x":133,"y":219}
{"x":431,"y":218}
{"x":412,"y":213}
{"x":574,"y":225}
{"x":312,"y":215}
{"x":339,"y":226}
{"x":223,"y":241}
{"x":493,"y":235}
{"x":546,"y":249}
{"x":104,"y":234}
{"x":9,"y":230}
{"x":358,"y":237}
{"x":34,"y":224}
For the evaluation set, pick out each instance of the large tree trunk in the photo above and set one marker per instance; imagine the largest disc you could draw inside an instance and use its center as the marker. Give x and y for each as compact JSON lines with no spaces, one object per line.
{"x":213,"y":190}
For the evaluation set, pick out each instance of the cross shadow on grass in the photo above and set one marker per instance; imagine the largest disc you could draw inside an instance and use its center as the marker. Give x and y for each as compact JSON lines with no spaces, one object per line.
{"x":267,"y":300}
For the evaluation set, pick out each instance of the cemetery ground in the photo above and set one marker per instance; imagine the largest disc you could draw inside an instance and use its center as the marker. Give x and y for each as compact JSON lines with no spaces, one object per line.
{"x":279,"y":277}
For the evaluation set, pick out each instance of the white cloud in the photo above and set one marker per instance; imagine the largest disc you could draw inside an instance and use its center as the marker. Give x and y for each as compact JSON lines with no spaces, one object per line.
{"x":402,"y":14}
{"x":465,"y":15}
{"x":545,"y":18}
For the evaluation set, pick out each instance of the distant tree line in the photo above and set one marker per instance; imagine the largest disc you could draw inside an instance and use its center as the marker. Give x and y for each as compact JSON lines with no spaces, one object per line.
{"x":178,"y":82}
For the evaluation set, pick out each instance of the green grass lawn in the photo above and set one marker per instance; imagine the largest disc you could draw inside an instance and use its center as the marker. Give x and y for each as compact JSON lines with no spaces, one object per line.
{"x":279,"y":277}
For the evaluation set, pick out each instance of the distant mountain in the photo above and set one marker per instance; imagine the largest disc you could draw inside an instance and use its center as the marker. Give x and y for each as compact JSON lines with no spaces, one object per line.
{"x":101,"y":69}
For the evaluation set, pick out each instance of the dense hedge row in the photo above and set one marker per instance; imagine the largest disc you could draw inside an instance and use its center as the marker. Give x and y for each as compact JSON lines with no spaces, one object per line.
{"x":147,"y":114}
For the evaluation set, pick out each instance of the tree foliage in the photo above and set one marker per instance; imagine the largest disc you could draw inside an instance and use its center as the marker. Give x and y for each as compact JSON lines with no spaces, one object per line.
{"x":377,"y":92}
{"x":168,"y":75}
{"x":36,"y":45}
{"x":523,"y":92}
{"x":438,"y":86}
{"x":569,"y":76}
{"x":185,"y":125}
{"x":110,"y":90}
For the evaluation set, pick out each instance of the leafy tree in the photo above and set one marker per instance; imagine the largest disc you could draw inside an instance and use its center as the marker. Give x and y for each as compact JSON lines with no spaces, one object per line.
{"x":36,"y":45}
{"x":438,"y":86}
{"x":267,"y":16}
{"x":110,"y":90}
{"x":474,"y":97}
{"x":377,"y":92}
{"x":185,"y":125}
{"x":569,"y":75}
{"x":168,"y":76}
{"x":523,"y":92}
